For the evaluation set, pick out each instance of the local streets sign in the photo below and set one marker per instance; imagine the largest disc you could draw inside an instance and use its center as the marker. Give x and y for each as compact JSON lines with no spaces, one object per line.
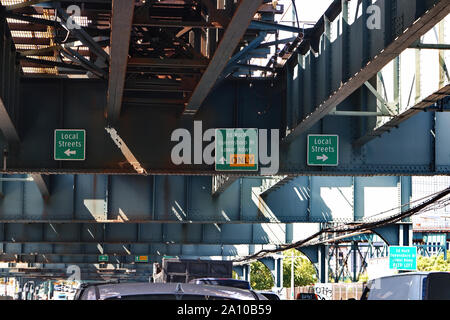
{"x":70,"y":144}
{"x":323,"y":150}
{"x":103,"y":258}
{"x":403,"y":258}
{"x":236,"y":150}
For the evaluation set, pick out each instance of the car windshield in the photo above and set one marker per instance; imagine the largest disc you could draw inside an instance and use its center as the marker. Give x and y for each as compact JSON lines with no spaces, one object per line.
{"x":167,"y":297}
{"x":393,"y":288}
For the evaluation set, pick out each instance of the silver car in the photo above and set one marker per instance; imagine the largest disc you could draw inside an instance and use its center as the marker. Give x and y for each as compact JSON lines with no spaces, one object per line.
{"x":164,"y":291}
{"x":226,"y":282}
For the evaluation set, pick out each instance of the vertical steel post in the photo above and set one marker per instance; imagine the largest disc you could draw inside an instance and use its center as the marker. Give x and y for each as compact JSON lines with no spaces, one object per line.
{"x":345,"y":42}
{"x":309,"y":197}
{"x":400,"y":235}
{"x":338,"y":274}
{"x":322,"y":262}
{"x":354,"y":249}
{"x":397,"y":91}
{"x":153,"y":197}
{"x":292,"y":276}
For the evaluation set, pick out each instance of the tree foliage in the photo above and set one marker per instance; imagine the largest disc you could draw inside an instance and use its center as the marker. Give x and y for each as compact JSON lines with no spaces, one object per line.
{"x":433,"y":263}
{"x":304,"y":270}
{"x":260,"y":277}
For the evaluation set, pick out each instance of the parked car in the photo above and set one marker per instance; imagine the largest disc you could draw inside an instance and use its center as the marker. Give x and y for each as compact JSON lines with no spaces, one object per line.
{"x":306,"y":296}
{"x":409,"y":286}
{"x":164,"y":291}
{"x":226,"y":282}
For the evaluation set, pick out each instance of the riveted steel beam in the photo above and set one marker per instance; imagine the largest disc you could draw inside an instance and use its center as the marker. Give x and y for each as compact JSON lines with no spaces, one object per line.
{"x":220,"y":183}
{"x":431,"y":46}
{"x":396,"y":41}
{"x":167,"y":63}
{"x":427,"y":91}
{"x":40,"y":253}
{"x":235,"y":103}
{"x":24,"y":4}
{"x":82,"y":35}
{"x":270,"y":26}
{"x":105,"y":200}
{"x":9,"y":98}
{"x":122,"y":16}
{"x":233,"y":34}
{"x":123,"y":235}
{"x":42,"y":183}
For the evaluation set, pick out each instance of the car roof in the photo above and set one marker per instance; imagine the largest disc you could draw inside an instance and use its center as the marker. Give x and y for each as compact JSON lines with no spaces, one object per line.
{"x":267,"y":292}
{"x":213,"y":279}
{"x":144,"y":288}
{"x":418,"y":273}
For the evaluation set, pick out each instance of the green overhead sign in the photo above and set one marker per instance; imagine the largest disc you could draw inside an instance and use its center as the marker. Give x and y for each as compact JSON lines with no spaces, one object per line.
{"x":403,"y":258}
{"x":70,"y":144}
{"x":323,"y":150}
{"x":236,"y":149}
{"x":103,"y":258}
{"x":141,"y":259}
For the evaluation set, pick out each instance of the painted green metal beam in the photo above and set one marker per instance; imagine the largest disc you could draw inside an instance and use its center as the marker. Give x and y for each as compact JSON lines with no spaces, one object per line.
{"x":121,"y":22}
{"x":233,"y":35}
{"x":410,"y":32}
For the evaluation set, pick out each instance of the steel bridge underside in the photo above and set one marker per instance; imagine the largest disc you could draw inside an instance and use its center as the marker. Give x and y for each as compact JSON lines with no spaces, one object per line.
{"x":74,"y":211}
{"x":124,"y":216}
{"x":408,"y":149}
{"x":326,"y":74}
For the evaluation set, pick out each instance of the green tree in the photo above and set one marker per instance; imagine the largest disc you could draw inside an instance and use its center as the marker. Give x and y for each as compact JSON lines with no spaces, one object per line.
{"x":433,"y":263}
{"x":304,"y":270}
{"x":363,"y":277}
{"x":260,"y":276}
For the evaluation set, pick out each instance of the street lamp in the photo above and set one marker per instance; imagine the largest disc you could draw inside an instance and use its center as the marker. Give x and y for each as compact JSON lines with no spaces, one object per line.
{"x":292,"y":274}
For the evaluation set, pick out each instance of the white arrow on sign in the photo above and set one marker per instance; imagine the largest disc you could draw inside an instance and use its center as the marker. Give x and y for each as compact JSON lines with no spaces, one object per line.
{"x":69,"y":152}
{"x":323,"y":158}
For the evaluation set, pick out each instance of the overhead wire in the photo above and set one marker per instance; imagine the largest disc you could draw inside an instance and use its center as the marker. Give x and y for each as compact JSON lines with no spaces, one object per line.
{"x":352,"y":227}
{"x":409,"y":204}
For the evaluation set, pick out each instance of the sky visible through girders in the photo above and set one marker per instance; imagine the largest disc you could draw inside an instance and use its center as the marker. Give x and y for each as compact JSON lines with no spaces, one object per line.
{"x":308,"y":11}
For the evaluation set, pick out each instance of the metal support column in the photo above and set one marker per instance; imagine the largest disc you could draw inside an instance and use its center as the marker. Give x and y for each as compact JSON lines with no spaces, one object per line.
{"x":354,"y":249}
{"x":323,"y":265}
{"x":246,"y":272}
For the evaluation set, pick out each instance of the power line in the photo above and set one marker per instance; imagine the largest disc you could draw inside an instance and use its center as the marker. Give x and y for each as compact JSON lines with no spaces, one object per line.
{"x":351,"y":228}
{"x":410,"y":203}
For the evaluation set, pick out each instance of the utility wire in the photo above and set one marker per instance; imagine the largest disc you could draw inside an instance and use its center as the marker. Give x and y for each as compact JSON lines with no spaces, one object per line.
{"x":409,"y":204}
{"x":359,"y":227}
